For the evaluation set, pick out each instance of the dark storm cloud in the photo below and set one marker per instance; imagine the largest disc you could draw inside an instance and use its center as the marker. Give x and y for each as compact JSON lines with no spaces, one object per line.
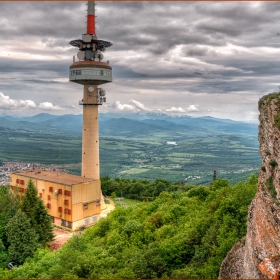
{"x":199,"y":48}
{"x":124,"y":72}
{"x":8,"y":65}
{"x":41,"y":19}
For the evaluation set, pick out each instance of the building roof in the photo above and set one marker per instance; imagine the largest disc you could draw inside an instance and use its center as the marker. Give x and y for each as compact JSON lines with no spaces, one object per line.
{"x":54,"y":177}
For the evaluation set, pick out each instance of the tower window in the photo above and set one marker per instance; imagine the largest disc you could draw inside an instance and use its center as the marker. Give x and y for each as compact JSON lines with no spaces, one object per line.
{"x":75,"y":72}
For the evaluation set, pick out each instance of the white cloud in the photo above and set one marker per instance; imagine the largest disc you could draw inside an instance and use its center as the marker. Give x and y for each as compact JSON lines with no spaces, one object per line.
{"x":193,"y":108}
{"x":70,"y":107}
{"x":8,"y":103}
{"x":176,"y":110}
{"x":140,"y":106}
{"x":48,"y":106}
{"x":133,"y":107}
{"x":117,"y":106}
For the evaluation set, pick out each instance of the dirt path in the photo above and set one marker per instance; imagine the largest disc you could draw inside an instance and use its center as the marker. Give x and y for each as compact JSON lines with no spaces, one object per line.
{"x":61,"y":237}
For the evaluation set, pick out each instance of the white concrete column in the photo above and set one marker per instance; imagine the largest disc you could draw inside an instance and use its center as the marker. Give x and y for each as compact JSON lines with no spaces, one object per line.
{"x":90,"y":141}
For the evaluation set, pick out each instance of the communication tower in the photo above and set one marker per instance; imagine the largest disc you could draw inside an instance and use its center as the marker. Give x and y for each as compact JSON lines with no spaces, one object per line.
{"x":90,"y":72}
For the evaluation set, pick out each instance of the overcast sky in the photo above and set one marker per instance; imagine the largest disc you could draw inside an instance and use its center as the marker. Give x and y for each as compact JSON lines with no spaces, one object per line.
{"x":195,"y":58}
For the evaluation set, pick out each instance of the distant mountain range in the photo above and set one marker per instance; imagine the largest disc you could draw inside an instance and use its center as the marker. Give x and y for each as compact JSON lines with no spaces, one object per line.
{"x":130,"y":125}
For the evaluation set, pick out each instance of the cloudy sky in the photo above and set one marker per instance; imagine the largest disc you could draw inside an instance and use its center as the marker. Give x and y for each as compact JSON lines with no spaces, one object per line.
{"x":195,"y":58}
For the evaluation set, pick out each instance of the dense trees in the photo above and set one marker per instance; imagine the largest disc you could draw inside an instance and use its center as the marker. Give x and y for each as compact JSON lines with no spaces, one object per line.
{"x":9,"y":204}
{"x":36,"y":211}
{"x":184,"y":233}
{"x":24,"y":224}
{"x":22,"y":238}
{"x":138,"y":189}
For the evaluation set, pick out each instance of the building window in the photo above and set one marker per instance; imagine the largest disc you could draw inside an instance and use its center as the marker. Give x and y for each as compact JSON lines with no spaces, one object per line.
{"x":49,"y":206}
{"x":59,"y":209}
{"x":87,"y":221}
{"x":21,"y":182}
{"x":63,"y":223}
{"x":51,"y":189}
{"x":60,"y":191}
{"x":95,"y":219}
{"x":101,"y":72}
{"x":68,"y":193}
{"x":67,"y":211}
{"x":49,"y":197}
{"x":17,"y":181}
{"x":66,"y":202}
{"x":69,"y":224}
{"x":40,"y":195}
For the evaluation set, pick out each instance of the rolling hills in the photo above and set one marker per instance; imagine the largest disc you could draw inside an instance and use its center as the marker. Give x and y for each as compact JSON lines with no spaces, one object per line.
{"x":135,"y":146}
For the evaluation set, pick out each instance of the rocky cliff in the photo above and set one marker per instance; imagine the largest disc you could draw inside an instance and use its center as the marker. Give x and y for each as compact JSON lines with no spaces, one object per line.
{"x":258,"y":254}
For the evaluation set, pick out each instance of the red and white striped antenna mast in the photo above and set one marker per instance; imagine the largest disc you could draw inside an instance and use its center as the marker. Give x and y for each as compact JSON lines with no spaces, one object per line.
{"x":91,"y":17}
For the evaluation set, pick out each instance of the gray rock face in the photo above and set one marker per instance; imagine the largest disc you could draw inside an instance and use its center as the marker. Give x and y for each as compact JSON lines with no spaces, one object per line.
{"x":258,"y":257}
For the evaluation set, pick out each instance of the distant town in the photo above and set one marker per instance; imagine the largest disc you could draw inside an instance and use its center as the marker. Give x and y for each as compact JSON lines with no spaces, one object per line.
{"x":8,"y":167}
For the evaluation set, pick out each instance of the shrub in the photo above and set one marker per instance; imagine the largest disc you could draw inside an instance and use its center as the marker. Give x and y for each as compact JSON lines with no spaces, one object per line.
{"x":273,"y":163}
{"x":271,"y":187}
{"x":277,"y":120}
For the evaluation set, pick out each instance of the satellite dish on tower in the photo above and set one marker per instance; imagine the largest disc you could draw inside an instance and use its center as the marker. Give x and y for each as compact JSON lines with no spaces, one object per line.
{"x":87,"y":38}
{"x":81,"y":55}
{"x":89,"y":54}
{"x":102,"y":92}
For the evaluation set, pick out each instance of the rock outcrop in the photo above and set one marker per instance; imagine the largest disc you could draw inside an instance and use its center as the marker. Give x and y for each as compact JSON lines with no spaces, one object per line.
{"x":258,"y":255}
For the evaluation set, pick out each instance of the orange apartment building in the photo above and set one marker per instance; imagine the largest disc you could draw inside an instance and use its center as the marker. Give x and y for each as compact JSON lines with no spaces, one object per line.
{"x":72,"y":201}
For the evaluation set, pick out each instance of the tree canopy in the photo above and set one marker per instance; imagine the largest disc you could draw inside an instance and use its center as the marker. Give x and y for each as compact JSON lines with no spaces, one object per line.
{"x":183,"y":233}
{"x":22,"y":238}
{"x":24,"y":224}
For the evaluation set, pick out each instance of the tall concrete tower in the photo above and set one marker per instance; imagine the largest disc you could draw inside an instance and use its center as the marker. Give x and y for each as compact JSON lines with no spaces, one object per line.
{"x":90,"y":72}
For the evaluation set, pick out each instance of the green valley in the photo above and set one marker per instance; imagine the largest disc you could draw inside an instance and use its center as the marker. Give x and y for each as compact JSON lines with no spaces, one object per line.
{"x":137,"y":147}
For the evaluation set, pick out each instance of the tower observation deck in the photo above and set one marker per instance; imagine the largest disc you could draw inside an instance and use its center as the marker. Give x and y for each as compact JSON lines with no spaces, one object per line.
{"x":90,"y":72}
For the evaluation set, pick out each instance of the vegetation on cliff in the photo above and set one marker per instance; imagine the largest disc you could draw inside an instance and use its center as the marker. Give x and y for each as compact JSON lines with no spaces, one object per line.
{"x":185,"y":233}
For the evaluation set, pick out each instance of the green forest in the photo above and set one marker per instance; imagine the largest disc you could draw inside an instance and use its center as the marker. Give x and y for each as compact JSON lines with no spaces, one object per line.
{"x":185,"y":231}
{"x":25,"y":225}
